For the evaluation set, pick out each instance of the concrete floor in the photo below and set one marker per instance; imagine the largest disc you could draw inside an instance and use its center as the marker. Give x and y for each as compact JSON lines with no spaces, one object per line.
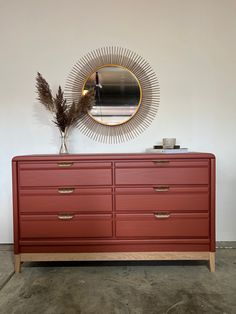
{"x":119,"y":288}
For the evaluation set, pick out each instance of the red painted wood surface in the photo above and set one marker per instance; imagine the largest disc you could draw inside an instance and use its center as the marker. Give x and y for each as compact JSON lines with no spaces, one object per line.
{"x":122,"y":185}
{"x":50,"y":200}
{"x":173,"y":199}
{"x":163,"y":163}
{"x":15,"y":199}
{"x":176,"y":226}
{"x":64,"y":177}
{"x":50,"y":226}
{"x":212,"y":204}
{"x":59,"y":164}
{"x":114,"y":247}
{"x":112,"y":157}
{"x":162,"y":175}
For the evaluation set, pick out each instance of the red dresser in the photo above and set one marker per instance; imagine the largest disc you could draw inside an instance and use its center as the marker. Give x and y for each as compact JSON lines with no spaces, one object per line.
{"x":114,"y":207}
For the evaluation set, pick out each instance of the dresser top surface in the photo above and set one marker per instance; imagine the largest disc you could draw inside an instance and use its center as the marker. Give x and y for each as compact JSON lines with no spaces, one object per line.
{"x":114,"y":156}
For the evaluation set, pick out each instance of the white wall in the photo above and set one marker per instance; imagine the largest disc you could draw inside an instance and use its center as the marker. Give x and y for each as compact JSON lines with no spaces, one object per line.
{"x":191,"y":46}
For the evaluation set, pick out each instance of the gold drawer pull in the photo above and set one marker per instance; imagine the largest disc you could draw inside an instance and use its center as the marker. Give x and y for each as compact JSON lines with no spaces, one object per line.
{"x":65,"y":164}
{"x":66,"y":190}
{"x":65,"y":216}
{"x":162,"y":215}
{"x":161,"y":162}
{"x":160,"y":188}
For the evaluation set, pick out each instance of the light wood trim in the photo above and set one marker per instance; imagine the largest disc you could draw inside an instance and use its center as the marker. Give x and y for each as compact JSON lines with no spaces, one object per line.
{"x":212,"y":262}
{"x":30,"y":257}
{"x":17,"y":263}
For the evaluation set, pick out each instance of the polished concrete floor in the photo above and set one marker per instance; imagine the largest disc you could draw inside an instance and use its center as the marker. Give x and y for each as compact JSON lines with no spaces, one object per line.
{"x":118,"y":287}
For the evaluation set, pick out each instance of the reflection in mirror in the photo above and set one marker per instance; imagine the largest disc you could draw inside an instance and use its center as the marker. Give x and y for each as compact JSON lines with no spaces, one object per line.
{"x":117,"y":94}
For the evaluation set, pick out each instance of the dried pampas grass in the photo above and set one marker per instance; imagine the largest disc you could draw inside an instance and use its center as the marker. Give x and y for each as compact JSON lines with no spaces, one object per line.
{"x":65,"y":116}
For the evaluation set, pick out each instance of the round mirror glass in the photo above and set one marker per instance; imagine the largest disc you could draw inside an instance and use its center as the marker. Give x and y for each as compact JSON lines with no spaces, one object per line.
{"x":117,"y":94}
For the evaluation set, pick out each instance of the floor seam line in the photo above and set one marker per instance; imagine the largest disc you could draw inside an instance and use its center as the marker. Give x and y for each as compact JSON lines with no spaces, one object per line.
{"x":7,"y":280}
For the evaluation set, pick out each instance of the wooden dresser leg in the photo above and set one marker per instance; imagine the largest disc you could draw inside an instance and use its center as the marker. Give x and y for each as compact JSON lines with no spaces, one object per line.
{"x":17,"y":263}
{"x":212,"y":262}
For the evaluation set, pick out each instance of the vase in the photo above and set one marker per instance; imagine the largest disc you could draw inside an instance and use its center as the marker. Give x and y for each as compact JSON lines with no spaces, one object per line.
{"x":63,"y":148}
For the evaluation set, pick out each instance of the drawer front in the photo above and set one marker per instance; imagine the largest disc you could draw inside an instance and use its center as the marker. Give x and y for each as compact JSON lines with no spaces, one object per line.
{"x":55,"y":226}
{"x":162,"y":175}
{"x":175,"y":226}
{"x":65,"y":200}
{"x":162,"y":198}
{"x":64,"y":174}
{"x":160,"y":163}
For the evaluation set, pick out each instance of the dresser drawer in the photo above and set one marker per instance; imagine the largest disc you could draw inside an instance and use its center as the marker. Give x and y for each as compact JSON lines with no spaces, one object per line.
{"x":155,"y":162}
{"x":175,"y":226}
{"x":64,"y":174}
{"x":65,"y":200}
{"x":170,"y":198}
{"x":55,"y":226}
{"x":162,"y":172}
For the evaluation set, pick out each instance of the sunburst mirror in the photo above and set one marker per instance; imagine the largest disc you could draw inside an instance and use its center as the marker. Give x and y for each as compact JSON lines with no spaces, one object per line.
{"x":126,"y":93}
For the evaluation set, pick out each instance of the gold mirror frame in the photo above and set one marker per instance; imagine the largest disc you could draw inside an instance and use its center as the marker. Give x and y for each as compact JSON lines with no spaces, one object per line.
{"x":139,"y":86}
{"x":146,"y":77}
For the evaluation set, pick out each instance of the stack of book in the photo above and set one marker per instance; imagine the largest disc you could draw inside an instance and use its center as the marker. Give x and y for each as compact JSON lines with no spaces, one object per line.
{"x":159,"y":149}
